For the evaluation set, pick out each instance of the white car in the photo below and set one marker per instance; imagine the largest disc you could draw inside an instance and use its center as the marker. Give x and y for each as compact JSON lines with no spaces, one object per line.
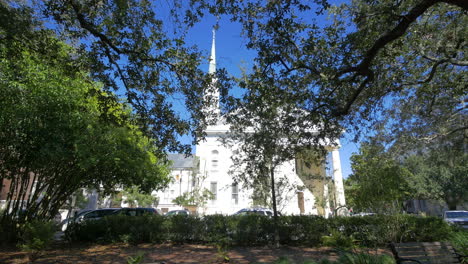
{"x":457,"y":217}
{"x":257,"y":211}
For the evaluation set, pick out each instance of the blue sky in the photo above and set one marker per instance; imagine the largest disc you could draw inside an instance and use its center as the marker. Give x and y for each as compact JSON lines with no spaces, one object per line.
{"x":232,"y":55}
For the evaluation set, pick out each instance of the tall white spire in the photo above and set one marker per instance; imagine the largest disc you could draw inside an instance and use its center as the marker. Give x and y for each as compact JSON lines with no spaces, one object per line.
{"x":212,"y":94}
{"x":212,"y":68}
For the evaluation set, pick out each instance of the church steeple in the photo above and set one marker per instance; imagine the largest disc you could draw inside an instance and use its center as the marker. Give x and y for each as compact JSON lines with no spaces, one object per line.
{"x":212,"y":93}
{"x":212,"y":68}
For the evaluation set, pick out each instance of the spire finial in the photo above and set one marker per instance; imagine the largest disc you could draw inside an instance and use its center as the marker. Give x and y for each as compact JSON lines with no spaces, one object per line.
{"x":212,"y":68}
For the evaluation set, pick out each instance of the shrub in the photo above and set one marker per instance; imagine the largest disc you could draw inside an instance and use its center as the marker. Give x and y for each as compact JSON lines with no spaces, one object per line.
{"x":459,"y":240}
{"x":338,"y":240}
{"x":253,"y":230}
{"x":361,"y":258}
{"x":183,"y":228}
{"x":140,"y":229}
{"x":302,"y":230}
{"x":218,"y":228}
{"x":118,"y":228}
{"x":36,"y":236}
{"x":87,"y":231}
{"x":369,"y":231}
{"x":372,"y":231}
{"x":428,"y":229}
{"x":9,"y":231}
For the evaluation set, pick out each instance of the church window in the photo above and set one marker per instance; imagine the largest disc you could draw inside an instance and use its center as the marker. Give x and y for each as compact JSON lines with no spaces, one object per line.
{"x":235,"y":193}
{"x":214,"y":161}
{"x":214,"y":189}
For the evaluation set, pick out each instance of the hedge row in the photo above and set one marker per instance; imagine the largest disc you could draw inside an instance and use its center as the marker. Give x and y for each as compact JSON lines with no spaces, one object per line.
{"x":259,"y":230}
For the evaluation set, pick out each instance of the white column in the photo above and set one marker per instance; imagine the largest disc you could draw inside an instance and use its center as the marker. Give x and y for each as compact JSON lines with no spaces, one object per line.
{"x":92,"y":199}
{"x":338,"y":178}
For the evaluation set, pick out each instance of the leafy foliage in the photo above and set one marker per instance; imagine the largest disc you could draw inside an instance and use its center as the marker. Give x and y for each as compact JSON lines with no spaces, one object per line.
{"x":361,"y":258}
{"x":371,"y":231}
{"x":459,"y":240}
{"x":195,"y":197}
{"x":344,"y":71}
{"x":338,"y":240}
{"x":139,"y":48}
{"x":378,"y":182}
{"x":36,"y":236}
{"x":440,"y":174}
{"x":136,"y":259}
{"x":59,"y":130}
{"x":134,"y":197}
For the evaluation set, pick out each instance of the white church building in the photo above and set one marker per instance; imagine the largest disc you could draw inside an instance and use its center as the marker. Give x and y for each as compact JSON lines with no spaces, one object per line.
{"x":208,"y":169}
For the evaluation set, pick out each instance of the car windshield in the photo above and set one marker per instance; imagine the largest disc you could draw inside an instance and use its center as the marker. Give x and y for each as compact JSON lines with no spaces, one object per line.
{"x":78,"y":214}
{"x":456,"y":214}
{"x":172,"y":213}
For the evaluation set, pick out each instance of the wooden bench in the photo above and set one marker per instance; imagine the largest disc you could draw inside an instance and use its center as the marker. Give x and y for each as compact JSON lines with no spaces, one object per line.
{"x":425,"y":253}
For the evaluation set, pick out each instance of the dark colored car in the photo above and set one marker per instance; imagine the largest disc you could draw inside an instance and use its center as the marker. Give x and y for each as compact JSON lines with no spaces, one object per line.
{"x":97,"y":214}
{"x":139,"y":211}
{"x":81,"y":212}
{"x":85,"y":215}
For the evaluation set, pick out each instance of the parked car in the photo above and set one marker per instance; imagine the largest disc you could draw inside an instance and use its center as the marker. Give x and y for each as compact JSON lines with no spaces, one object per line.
{"x":457,"y":218}
{"x":363,"y":214}
{"x":96,"y":214}
{"x":139,"y":211}
{"x":178,"y":212}
{"x":258,"y":211}
{"x":85,"y":215}
{"x":81,"y":212}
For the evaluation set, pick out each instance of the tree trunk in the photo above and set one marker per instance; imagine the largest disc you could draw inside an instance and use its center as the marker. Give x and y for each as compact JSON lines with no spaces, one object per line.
{"x":452,"y":206}
{"x":275,"y":211}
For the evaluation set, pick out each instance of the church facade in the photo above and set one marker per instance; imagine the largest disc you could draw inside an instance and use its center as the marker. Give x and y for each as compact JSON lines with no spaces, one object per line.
{"x":302,"y":187}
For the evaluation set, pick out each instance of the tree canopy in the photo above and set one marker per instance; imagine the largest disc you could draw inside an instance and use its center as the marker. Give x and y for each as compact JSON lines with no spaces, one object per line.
{"x":347,"y":69}
{"x":378,"y":183}
{"x":371,"y":65}
{"x":132,"y":47}
{"x":351,"y":71}
{"x":342,"y":71}
{"x":56,"y":134}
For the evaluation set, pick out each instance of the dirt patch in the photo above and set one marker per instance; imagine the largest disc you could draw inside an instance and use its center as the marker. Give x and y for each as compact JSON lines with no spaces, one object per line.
{"x":170,"y":254}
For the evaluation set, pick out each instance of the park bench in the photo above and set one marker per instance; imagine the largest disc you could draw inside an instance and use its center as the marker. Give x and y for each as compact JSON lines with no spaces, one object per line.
{"x":425,"y":253}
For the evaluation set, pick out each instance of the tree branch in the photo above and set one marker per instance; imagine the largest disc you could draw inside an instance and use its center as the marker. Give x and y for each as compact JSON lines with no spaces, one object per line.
{"x":105,"y":40}
{"x":363,"y":68}
{"x":398,"y":31}
{"x":430,"y":138}
{"x":345,"y":110}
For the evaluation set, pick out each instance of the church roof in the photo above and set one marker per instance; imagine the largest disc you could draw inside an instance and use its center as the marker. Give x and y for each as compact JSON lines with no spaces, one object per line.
{"x":180,"y":161}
